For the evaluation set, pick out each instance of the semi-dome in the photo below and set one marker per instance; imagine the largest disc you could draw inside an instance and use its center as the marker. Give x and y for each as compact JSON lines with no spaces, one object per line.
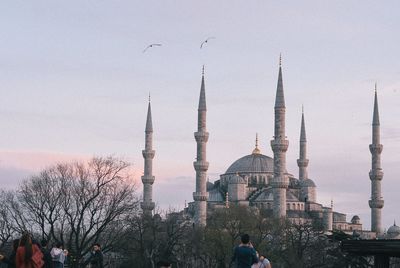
{"x":307,"y":183}
{"x":355,"y":219}
{"x":252,"y":163}
{"x":236,"y":179}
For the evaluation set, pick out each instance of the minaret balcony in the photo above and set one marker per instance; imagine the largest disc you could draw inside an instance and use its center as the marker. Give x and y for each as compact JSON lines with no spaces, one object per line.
{"x":302,"y":162}
{"x":279,"y":145}
{"x":376,"y":203}
{"x":201,"y":136}
{"x":146,"y":205}
{"x":376,"y":174}
{"x":148,"y":154}
{"x":375,"y":148}
{"x":146,"y":179}
{"x":201,"y":165}
{"x":199,"y":196}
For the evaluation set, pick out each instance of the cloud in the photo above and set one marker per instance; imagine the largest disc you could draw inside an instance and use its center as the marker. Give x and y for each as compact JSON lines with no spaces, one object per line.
{"x":35,"y":161}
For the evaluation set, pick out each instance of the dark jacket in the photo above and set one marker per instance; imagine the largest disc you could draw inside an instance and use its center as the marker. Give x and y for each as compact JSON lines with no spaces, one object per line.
{"x":48,"y":260}
{"x":244,"y":256}
{"x":96,"y":259}
{"x":10,"y":260}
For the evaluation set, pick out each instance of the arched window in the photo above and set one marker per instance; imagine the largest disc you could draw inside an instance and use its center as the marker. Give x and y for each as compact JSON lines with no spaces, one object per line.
{"x":288,"y":206}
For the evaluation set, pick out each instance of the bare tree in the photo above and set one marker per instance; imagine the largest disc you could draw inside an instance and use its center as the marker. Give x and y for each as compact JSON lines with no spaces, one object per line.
{"x":79,"y":204}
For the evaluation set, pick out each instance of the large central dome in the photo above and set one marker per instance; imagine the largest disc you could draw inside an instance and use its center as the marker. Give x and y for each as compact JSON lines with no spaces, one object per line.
{"x":252,"y":163}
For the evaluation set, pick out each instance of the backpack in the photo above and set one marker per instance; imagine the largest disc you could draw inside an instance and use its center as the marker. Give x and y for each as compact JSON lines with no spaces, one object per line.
{"x":37,"y":258}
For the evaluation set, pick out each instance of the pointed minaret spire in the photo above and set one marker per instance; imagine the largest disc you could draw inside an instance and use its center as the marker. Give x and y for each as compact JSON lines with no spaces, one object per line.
{"x":376,"y":174}
{"x":149,"y":123}
{"x":375,"y":119}
{"x":279,"y":144}
{"x":280,"y":97}
{"x":302,"y":162}
{"x":201,"y":165}
{"x":202,"y":99}
{"x":148,"y":179}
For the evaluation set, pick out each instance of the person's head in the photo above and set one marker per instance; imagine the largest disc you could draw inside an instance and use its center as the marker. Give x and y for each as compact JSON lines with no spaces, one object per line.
{"x":59,"y":245}
{"x":15,"y":244}
{"x":96,"y":247}
{"x":245,"y":239}
{"x":163,"y":264}
{"x":26,"y":242}
{"x":262,"y":257}
{"x":43,"y":243}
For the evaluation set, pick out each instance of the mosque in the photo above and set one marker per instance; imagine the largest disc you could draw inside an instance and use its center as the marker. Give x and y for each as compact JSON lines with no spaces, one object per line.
{"x":262,"y":182}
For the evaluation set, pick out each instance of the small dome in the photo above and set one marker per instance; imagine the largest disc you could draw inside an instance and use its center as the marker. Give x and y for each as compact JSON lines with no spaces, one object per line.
{"x":394,"y":230}
{"x":355,"y":220}
{"x":307,"y":183}
{"x":252,"y":163}
{"x":236,"y":179}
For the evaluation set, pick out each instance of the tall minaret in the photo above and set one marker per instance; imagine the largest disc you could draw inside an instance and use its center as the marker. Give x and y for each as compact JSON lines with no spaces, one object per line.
{"x":201,"y":164}
{"x":148,"y":179}
{"x":376,"y":174}
{"x":279,"y":144}
{"x":302,"y":162}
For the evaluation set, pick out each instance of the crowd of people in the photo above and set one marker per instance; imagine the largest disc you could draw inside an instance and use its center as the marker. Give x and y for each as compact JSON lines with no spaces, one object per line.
{"x":27,"y":253}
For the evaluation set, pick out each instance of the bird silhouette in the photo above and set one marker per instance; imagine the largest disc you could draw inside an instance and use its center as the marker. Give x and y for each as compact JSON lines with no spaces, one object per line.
{"x":151,"y":45}
{"x":206,"y":41}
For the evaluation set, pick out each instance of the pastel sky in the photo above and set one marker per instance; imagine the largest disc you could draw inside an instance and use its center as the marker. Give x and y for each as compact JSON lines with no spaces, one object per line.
{"x":74,"y":83}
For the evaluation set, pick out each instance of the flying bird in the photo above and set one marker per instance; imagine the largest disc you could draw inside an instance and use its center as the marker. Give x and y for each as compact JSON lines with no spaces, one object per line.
{"x":201,"y":46}
{"x":149,"y":46}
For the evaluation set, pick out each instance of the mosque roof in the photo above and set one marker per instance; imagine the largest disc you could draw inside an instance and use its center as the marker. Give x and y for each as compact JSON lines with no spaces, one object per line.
{"x":394,"y":230}
{"x":253,"y":163}
{"x":307,"y":183}
{"x":237,"y":180}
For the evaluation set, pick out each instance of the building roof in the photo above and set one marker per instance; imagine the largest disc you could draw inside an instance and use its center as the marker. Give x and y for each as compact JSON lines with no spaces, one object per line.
{"x":394,"y":230}
{"x":253,"y":163}
{"x":237,"y":180}
{"x":307,"y":183}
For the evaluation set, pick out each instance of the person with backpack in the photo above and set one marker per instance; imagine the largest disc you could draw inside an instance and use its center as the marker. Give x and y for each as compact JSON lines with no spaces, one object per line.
{"x":244,"y":255}
{"x":28,"y":255}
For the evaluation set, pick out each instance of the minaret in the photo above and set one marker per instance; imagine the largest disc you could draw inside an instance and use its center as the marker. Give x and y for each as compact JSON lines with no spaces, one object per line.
{"x":279,"y":144}
{"x":148,"y":179}
{"x":302,"y":162}
{"x":376,"y":203}
{"x":201,"y":164}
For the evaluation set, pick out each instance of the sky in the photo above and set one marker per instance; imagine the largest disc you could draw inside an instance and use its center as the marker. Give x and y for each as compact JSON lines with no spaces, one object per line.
{"x":74,"y":83}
